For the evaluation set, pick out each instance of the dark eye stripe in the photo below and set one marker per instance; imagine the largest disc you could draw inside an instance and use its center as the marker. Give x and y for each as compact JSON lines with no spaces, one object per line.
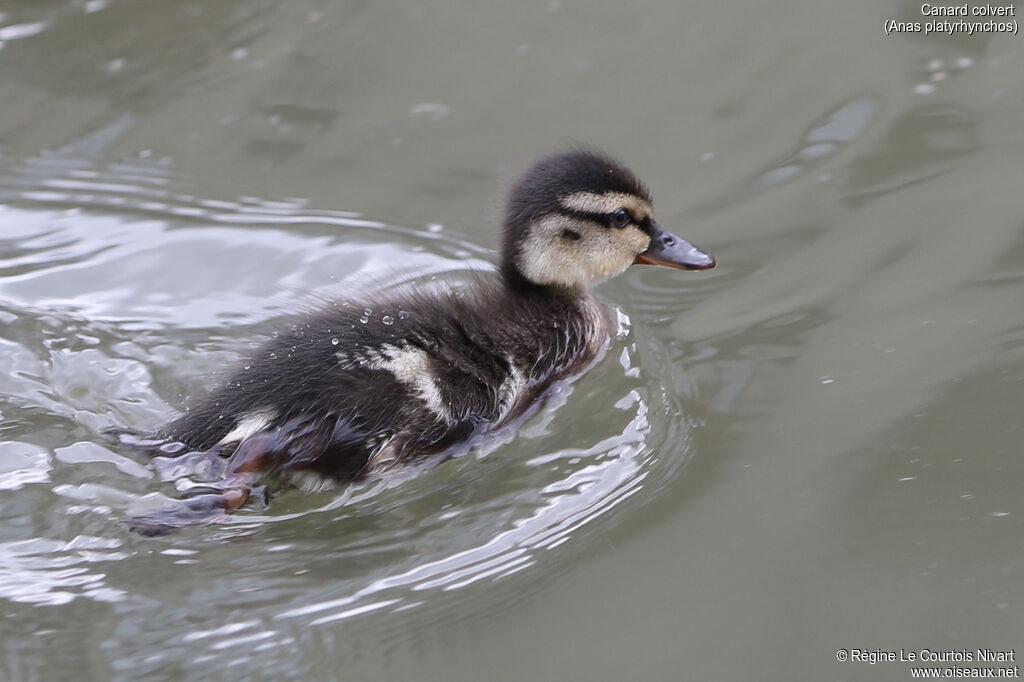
{"x":603,"y":219}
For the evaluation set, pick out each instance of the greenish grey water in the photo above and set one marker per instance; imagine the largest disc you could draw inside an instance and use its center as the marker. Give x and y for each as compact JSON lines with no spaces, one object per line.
{"x":815,"y":447}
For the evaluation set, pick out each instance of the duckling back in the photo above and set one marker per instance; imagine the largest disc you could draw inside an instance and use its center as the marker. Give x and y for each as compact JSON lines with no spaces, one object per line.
{"x":369,"y":385}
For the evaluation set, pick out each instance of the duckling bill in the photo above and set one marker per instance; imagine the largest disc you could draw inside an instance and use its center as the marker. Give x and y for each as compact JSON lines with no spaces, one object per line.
{"x":367,"y":385}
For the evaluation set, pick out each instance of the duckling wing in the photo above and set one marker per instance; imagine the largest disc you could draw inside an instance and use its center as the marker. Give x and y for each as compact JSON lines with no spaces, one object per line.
{"x":360,"y":385}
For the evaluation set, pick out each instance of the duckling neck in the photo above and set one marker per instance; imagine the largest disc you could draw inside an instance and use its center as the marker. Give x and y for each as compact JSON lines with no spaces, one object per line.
{"x":555,"y":331}
{"x":518,"y":283}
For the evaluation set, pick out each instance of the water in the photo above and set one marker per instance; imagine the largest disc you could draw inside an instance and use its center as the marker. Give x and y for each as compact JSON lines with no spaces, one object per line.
{"x":814,"y":447}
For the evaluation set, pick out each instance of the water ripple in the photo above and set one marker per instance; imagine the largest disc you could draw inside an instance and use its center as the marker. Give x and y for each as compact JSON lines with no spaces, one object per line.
{"x":48,"y":571}
{"x":122,"y":294}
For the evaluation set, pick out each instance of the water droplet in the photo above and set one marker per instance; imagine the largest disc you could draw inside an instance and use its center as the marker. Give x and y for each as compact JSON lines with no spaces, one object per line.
{"x":334,"y":341}
{"x":388,"y":320}
{"x":273,"y":356}
{"x":247,"y":366}
{"x":364,"y":319}
{"x":827,"y":380}
{"x":402,"y":314}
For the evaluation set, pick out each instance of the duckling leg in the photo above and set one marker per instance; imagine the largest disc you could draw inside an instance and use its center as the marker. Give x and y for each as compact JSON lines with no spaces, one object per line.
{"x":212,"y":505}
{"x":200,"y":510}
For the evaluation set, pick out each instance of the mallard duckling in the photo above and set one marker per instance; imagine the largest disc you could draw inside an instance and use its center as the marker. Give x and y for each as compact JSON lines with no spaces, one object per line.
{"x":365,"y":385}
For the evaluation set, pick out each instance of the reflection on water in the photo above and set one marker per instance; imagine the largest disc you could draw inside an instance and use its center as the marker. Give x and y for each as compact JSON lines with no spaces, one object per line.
{"x":844,"y":125}
{"x":41,"y":571}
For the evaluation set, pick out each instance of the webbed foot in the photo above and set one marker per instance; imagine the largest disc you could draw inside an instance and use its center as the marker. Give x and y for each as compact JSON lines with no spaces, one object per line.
{"x":198,"y":510}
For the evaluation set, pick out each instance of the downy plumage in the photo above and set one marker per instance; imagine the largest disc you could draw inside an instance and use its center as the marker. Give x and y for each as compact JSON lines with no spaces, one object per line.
{"x":365,"y":385}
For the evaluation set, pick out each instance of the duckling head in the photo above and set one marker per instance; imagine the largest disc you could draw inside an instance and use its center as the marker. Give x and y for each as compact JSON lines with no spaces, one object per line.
{"x":577,"y":218}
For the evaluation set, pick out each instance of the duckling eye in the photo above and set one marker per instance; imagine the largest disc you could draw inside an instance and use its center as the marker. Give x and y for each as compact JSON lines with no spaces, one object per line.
{"x":621,"y":218}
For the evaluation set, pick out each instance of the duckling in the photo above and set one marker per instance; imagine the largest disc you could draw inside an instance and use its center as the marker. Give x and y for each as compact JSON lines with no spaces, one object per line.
{"x":366,"y":385}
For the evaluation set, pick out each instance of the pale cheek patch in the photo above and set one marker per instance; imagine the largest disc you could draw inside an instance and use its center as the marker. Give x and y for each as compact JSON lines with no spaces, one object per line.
{"x":611,"y":251}
{"x":547,"y":258}
{"x":638,"y":240}
{"x":601,"y":252}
